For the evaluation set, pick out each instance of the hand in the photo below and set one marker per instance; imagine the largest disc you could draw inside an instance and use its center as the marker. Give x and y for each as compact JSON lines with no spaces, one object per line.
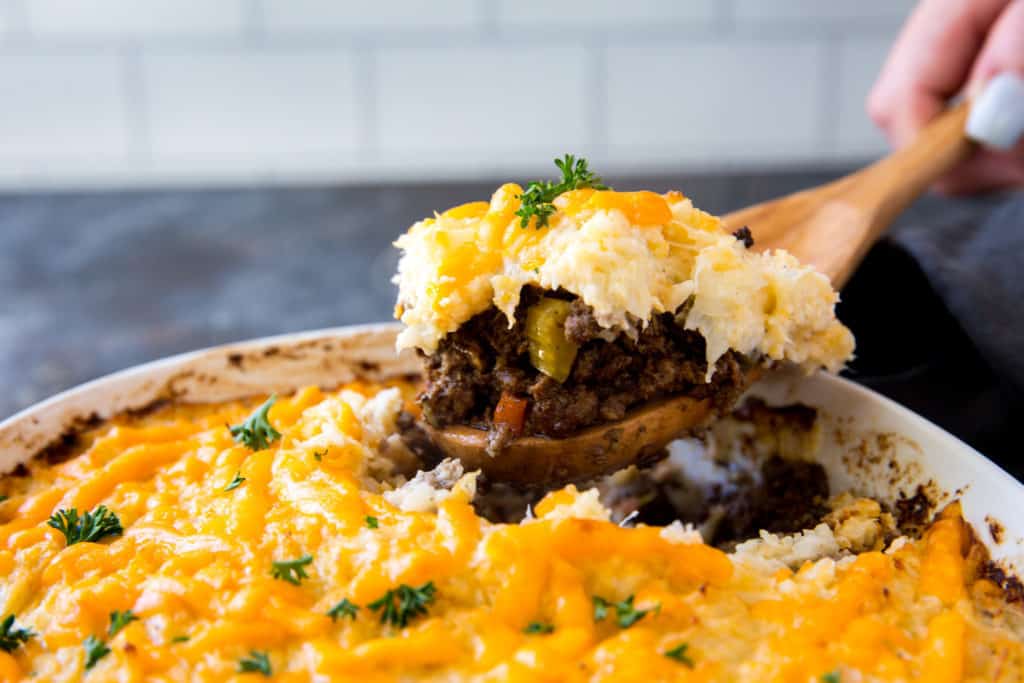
{"x":948,"y":47}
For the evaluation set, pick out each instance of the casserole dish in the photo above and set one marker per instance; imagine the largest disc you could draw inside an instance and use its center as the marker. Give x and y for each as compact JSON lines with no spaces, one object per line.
{"x":302,"y":557}
{"x":869,"y":444}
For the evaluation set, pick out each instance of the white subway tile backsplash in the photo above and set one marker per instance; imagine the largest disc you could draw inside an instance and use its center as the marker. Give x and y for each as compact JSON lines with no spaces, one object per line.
{"x":146,"y":18}
{"x":829,"y":11}
{"x":328,"y":15}
{"x":607,"y":14}
{"x":713,"y":101}
{"x":61,"y":108}
{"x":859,"y":63}
{"x":277,"y":109}
{"x":474,"y":100}
{"x":151,"y":91}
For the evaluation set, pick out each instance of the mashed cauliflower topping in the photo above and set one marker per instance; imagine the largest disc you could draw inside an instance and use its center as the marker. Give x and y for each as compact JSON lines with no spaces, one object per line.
{"x":564,"y":595}
{"x":629,"y":255}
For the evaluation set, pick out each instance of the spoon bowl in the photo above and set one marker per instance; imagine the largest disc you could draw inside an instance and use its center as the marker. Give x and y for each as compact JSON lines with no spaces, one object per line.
{"x":637,"y":439}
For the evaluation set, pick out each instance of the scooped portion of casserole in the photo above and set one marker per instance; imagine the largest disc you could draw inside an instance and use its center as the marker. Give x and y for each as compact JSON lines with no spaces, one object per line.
{"x":558,"y":307}
{"x":295,"y":540}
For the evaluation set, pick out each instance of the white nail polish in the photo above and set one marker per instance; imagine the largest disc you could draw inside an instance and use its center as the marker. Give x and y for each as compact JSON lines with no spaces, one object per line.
{"x":997,"y":114}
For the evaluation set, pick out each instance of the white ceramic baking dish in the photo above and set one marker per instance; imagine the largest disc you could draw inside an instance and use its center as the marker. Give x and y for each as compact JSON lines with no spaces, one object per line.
{"x":869,"y":444}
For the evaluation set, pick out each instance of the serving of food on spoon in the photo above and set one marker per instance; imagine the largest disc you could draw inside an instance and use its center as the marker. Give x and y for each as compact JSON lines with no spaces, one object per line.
{"x":552,"y":312}
{"x":568,"y":330}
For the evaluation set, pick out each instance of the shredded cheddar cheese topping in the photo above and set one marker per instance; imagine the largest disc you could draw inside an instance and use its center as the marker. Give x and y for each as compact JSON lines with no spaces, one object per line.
{"x":284,"y":574}
{"x":628,"y":255}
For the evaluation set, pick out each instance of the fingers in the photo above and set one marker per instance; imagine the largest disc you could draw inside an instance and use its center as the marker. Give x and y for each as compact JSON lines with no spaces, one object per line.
{"x":1003,"y":51}
{"x":986,"y":170}
{"x":945,"y":46}
{"x":929,"y":63}
{"x":1004,"y":46}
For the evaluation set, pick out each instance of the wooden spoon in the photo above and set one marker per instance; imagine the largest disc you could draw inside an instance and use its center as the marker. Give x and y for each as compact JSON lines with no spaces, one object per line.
{"x":639,"y":438}
{"x":831,"y":227}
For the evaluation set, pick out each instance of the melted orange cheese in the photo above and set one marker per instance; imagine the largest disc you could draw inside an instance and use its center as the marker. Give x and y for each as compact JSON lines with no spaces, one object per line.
{"x":641,"y":208}
{"x":627,"y":255}
{"x":195,"y":562}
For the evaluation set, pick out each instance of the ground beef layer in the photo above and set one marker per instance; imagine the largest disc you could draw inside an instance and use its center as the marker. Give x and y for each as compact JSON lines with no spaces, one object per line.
{"x":612,"y":373}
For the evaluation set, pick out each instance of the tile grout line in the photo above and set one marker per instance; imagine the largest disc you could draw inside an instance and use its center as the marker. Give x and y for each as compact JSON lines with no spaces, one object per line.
{"x":140,"y":146}
{"x":254,"y":23}
{"x":596,"y":93}
{"x":831,"y":91}
{"x":365,"y":94}
{"x":17,"y":15}
{"x":255,"y":35}
{"x":723,"y":17}
{"x":487,"y":19}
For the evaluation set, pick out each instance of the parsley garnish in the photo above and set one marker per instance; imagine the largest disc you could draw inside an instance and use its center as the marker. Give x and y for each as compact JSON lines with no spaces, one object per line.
{"x":830,"y":677}
{"x":10,"y":636}
{"x":538,"y":197}
{"x":600,"y":608}
{"x":180,"y":639}
{"x":678,"y":653}
{"x":91,"y":527}
{"x":258,"y":662}
{"x":372,"y":522}
{"x":539,"y":627}
{"x":235,"y":483}
{"x":256,"y":432}
{"x":343,"y":609}
{"x":118,"y":620}
{"x":319,"y":455}
{"x":291,"y":570}
{"x":401,"y":604}
{"x":95,"y":650}
{"x":3,"y":497}
{"x":625,"y":614}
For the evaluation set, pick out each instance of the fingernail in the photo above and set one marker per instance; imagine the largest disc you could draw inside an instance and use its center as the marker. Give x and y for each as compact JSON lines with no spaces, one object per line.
{"x":997,"y":112}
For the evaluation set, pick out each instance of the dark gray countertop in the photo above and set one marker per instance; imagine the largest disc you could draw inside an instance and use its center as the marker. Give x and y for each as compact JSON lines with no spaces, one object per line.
{"x":91,"y":283}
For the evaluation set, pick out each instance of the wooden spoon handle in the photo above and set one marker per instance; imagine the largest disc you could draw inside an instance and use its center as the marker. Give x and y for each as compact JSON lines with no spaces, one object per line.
{"x":897,"y":180}
{"x":833,"y":226}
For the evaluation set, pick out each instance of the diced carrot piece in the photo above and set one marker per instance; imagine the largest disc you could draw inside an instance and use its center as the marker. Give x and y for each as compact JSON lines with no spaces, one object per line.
{"x":511,"y":411}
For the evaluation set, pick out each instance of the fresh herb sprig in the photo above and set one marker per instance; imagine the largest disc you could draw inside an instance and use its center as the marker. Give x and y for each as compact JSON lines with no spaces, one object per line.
{"x":345,"y":608}
{"x":292,"y":571}
{"x":90,"y":527}
{"x":625,"y":613}
{"x":372,"y":522}
{"x":234,"y":483}
{"x":95,"y":650}
{"x":118,"y":620}
{"x":11,"y":637}
{"x":538,"y":627}
{"x":256,"y":432}
{"x":256,"y":662}
{"x":678,"y":653}
{"x":830,"y":677}
{"x":537,"y":200}
{"x":401,"y":604}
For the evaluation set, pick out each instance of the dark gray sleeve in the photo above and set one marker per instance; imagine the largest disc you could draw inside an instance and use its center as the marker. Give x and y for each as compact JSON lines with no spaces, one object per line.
{"x":977,"y":267}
